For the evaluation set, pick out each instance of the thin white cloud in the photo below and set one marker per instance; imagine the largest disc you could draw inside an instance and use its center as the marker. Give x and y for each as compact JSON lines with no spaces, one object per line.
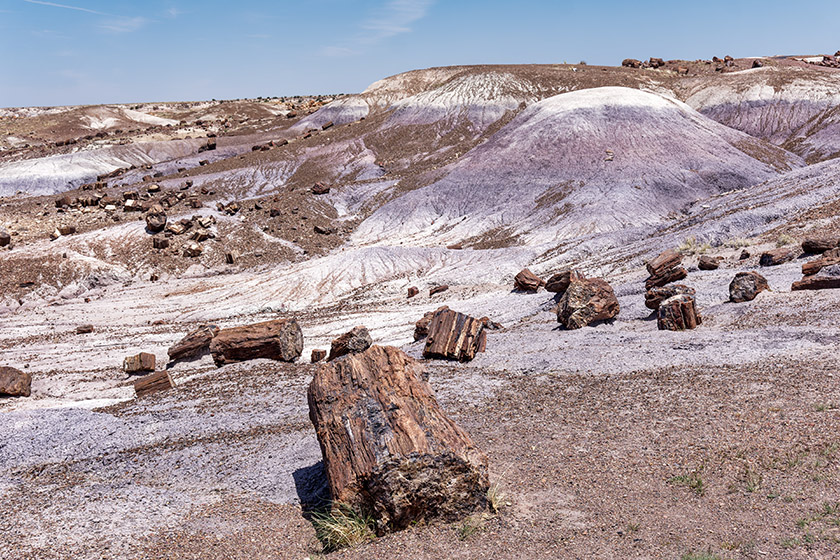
{"x":174,"y":12}
{"x":396,"y":17}
{"x":393,"y":18}
{"x":124,"y":24}
{"x":66,"y":7}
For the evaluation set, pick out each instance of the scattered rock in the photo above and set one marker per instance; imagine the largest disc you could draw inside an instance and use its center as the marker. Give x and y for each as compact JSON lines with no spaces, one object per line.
{"x":678,"y":313}
{"x":746,"y":285}
{"x":664,"y":269}
{"x":5,"y":238}
{"x":153,"y":383}
{"x":142,"y":362}
{"x":421,"y":327}
{"x":438,"y":289}
{"x":778,"y":256}
{"x":744,"y":255}
{"x":527,"y":281}
{"x":325,"y":126}
{"x":454,"y":336}
{"x":656,"y":295}
{"x":156,"y":219}
{"x":413,"y":291}
{"x":559,"y":282}
{"x":193,"y":249}
{"x":193,"y":345}
{"x":631,"y":63}
{"x":280,"y":339}
{"x":708,"y":263}
{"x":656,"y":63}
{"x":585,"y":302}
{"x":828,"y":278}
{"x":328,"y":230}
{"x":318,"y":355}
{"x":352,"y":342}
{"x":15,"y":383}
{"x":389,"y":449}
{"x":231,"y":257}
{"x":320,"y":188}
{"x":757,"y":63}
{"x":819,"y":245}
{"x":66,"y":230}
{"x":160,"y":243}
{"x":84,"y":329}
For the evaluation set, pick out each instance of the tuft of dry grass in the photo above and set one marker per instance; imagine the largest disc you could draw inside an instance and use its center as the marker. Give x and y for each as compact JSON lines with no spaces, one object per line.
{"x":342,"y":527}
{"x":690,"y":246}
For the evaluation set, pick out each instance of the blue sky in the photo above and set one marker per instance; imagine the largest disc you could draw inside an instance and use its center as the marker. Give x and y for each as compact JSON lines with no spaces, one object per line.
{"x":92,"y":51}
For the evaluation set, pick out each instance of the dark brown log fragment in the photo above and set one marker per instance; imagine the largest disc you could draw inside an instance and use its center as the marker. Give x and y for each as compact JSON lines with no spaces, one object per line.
{"x":354,"y":341}
{"x":527,"y":281}
{"x":656,"y":295}
{"x":389,"y":449}
{"x":14,"y":382}
{"x":665,"y":277}
{"x":559,"y":282}
{"x":152,"y":383}
{"x":818,"y":245}
{"x":141,"y":363}
{"x":194,"y":344}
{"x":280,"y":339}
{"x":778,"y":256}
{"x":453,"y":336}
{"x":678,"y":313}
{"x":585,"y":302}
{"x":746,"y":285}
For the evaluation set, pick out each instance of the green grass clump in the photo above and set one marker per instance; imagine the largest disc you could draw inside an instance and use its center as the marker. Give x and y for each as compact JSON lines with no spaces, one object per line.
{"x":692,"y":481}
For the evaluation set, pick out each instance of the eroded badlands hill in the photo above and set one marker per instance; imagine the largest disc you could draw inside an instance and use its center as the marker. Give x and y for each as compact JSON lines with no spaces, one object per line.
{"x":329,"y":209}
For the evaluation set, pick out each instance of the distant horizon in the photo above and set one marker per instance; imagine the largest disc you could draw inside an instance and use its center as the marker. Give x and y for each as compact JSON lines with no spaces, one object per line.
{"x":96,"y":52}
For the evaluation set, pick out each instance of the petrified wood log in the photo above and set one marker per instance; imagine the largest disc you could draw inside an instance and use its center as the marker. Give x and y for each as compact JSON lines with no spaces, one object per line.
{"x":280,"y":339}
{"x":389,"y":450}
{"x":678,"y":313}
{"x":413,"y":291}
{"x":829,"y":258}
{"x":454,"y":336}
{"x":317,"y":355}
{"x":666,"y":260}
{"x":421,"y":327}
{"x":438,"y":289}
{"x":152,"y":383}
{"x":746,"y":285}
{"x":194,"y":344}
{"x":156,"y":218}
{"x":665,"y":277}
{"x":141,"y":363}
{"x":778,"y":256}
{"x":708,"y":263}
{"x":559,"y":282}
{"x":827,"y":279}
{"x":585,"y":302}
{"x":354,"y":341}
{"x":656,"y":295}
{"x":14,"y":382}
{"x":527,"y":281}
{"x":816,"y":245}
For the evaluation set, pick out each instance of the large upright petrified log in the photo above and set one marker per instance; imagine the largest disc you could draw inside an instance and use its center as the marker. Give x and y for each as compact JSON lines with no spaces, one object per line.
{"x":280,"y":339}
{"x":454,"y":336}
{"x":389,"y":449}
{"x":678,"y":313}
{"x":587,"y":301}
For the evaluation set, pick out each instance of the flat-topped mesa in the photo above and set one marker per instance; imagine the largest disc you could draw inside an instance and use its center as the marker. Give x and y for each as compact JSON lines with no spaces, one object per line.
{"x":454,"y":336}
{"x":389,"y":450}
{"x":664,"y":269}
{"x":280,"y":339}
{"x":587,"y":301}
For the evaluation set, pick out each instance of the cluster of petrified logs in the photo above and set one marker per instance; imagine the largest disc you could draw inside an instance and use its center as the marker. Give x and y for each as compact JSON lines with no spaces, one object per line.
{"x":674,"y":304}
{"x":823,"y":272}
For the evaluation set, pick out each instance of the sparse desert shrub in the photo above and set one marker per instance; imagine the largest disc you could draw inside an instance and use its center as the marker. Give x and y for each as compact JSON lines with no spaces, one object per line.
{"x":342,"y":527}
{"x":496,"y":498}
{"x":783,"y":240}
{"x":472,"y":525}
{"x":752,"y":480}
{"x":708,"y":555}
{"x":693,"y":481}
{"x":690,"y":246}
{"x":737,"y":243}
